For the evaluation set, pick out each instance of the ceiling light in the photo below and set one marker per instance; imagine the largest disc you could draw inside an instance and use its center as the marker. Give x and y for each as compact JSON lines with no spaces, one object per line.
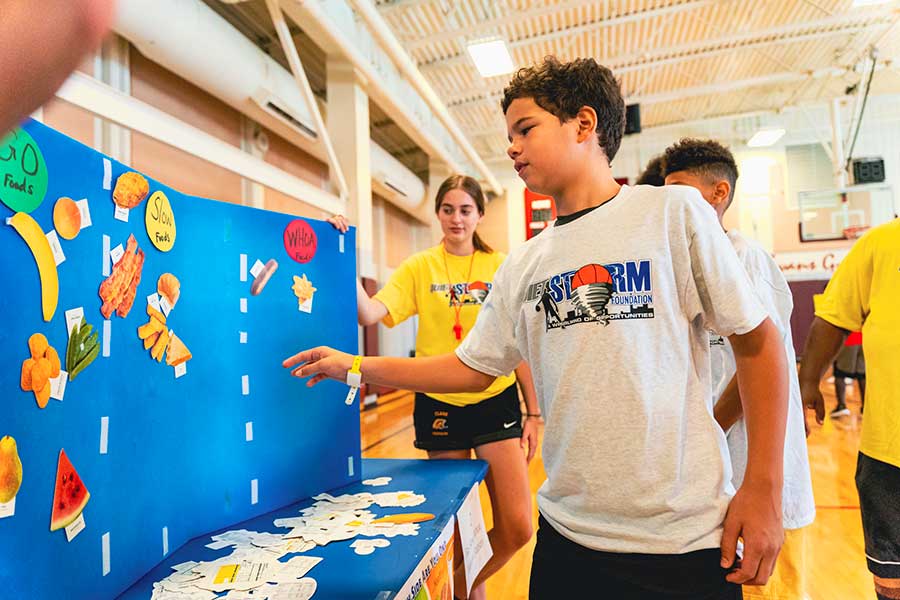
{"x":765,"y":137}
{"x":491,"y":58}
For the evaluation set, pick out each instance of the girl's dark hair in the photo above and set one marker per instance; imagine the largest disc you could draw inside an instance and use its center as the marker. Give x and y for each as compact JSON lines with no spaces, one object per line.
{"x":470,"y":186}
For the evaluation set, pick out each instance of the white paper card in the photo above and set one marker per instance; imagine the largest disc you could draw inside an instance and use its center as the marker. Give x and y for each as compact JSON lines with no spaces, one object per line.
{"x":107,"y":334}
{"x":73,"y":318}
{"x":165,"y":532}
{"x":341,"y":243}
{"x":8,"y":509}
{"x":117,"y":253}
{"x":248,"y":433}
{"x":164,"y":306}
{"x":106,"y":256}
{"x":243,"y":267}
{"x":58,"y":255}
{"x":105,"y":551}
{"x":58,"y":386}
{"x":350,"y":466}
{"x":254,"y":491}
{"x":243,"y":305}
{"x":180,"y":370}
{"x":104,"y":434}
{"x":476,"y":547}
{"x":153,"y":300}
{"x":257,"y":268}
{"x":243,"y":337}
{"x":76,"y":527}
{"x":107,"y":174}
{"x":245,"y":385}
{"x":85,"y":211}
{"x":121,"y":214}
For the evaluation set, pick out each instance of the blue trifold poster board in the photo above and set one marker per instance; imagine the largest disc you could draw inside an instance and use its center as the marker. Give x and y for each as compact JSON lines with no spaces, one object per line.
{"x":164,"y":458}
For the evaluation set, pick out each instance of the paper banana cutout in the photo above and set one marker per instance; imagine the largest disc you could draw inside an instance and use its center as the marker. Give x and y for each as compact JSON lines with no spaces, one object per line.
{"x":34,"y":236}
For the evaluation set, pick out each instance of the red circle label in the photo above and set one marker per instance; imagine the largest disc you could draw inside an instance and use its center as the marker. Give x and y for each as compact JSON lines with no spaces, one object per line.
{"x":300,"y":241}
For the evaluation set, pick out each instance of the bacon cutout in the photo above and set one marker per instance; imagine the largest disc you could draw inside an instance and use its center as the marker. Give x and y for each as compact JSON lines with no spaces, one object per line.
{"x":119,"y":289}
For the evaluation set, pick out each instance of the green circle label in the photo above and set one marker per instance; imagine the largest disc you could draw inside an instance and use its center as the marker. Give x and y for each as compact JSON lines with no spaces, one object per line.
{"x":23,"y":172}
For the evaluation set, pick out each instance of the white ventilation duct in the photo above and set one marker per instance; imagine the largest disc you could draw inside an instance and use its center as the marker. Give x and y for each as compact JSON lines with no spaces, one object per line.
{"x":191,"y":40}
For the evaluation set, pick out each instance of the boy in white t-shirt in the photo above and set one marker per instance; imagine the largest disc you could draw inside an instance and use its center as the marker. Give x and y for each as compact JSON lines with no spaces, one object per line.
{"x":611,"y":306}
{"x":710,"y":168}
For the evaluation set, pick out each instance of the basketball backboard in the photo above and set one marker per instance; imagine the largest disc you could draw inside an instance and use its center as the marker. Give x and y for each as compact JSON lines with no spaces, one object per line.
{"x":843,"y":213}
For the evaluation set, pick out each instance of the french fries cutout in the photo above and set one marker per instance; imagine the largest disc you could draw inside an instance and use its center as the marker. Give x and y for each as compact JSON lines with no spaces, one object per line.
{"x":304,"y":290}
{"x":161,"y":341}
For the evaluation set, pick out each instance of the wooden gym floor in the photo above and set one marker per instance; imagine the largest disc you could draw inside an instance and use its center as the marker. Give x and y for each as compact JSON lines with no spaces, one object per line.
{"x":836,"y":566}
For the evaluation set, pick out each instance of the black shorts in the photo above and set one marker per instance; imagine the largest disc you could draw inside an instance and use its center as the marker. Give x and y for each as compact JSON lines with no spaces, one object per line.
{"x":563,"y":569}
{"x":878,"y":484}
{"x":442,"y":426}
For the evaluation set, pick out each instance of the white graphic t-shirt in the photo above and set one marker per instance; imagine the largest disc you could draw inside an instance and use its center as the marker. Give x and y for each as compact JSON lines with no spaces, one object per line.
{"x":798,"y":505}
{"x":612,"y":312}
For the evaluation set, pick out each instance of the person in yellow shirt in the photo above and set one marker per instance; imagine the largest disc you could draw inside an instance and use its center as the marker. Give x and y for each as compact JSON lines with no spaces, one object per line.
{"x":446,"y":286}
{"x":862,"y":295}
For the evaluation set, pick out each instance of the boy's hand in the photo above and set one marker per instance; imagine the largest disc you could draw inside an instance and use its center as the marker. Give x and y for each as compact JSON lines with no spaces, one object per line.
{"x":529,"y":440}
{"x":755,"y":516}
{"x":339,"y":222}
{"x":320,"y":363}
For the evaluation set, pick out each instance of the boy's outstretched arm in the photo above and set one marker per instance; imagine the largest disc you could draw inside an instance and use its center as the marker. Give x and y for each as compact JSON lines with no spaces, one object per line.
{"x":438,"y":374}
{"x":755,"y":511}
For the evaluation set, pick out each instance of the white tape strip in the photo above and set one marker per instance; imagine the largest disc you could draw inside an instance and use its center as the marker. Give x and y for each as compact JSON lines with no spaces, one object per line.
{"x":105,"y":543}
{"x":107,"y":174}
{"x":107,"y":334}
{"x":106,"y":256}
{"x":104,"y":434}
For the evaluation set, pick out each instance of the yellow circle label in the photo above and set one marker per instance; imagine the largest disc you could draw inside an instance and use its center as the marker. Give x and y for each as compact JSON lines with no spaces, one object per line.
{"x":160,"y":221}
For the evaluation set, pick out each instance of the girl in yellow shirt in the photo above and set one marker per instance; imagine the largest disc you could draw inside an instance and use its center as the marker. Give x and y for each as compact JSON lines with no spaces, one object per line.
{"x":446,"y":286}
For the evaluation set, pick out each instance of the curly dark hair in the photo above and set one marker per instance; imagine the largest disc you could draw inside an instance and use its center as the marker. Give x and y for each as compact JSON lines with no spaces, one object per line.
{"x":653,"y":173}
{"x":563,"y":88}
{"x":705,"y":157}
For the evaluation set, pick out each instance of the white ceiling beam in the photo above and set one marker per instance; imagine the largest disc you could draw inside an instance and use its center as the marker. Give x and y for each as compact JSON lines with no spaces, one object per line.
{"x":628,"y":63}
{"x":492,"y":24}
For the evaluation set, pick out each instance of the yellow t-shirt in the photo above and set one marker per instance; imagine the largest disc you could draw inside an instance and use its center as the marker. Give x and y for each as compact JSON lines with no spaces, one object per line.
{"x":864,"y":294}
{"x":420,"y":286}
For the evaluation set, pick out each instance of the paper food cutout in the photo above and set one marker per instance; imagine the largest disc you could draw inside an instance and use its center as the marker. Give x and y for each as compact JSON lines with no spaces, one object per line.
{"x":69,"y":497}
{"x":10,"y":469}
{"x":300,"y":241}
{"x":23,"y":172}
{"x":159,"y":219}
{"x":131,"y":189}
{"x":261,"y":279}
{"x":119,"y":289}
{"x":161,"y":341}
{"x":168,"y":287}
{"x":405,"y":518}
{"x":66,"y":218}
{"x":82,"y":349}
{"x":303,"y":289}
{"x":39,"y":369}
{"x":37,"y":242}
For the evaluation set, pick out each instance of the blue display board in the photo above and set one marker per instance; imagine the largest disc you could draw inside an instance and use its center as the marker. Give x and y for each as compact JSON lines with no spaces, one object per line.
{"x":177,"y":460}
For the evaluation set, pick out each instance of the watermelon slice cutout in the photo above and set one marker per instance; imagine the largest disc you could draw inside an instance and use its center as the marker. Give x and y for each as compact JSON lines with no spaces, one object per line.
{"x":69,"y":497}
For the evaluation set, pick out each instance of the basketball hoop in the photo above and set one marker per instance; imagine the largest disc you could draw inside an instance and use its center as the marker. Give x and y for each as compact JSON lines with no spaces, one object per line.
{"x":854,"y":233}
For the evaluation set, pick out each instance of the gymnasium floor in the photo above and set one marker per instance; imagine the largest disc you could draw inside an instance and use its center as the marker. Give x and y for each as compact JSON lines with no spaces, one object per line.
{"x":836,"y":567}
